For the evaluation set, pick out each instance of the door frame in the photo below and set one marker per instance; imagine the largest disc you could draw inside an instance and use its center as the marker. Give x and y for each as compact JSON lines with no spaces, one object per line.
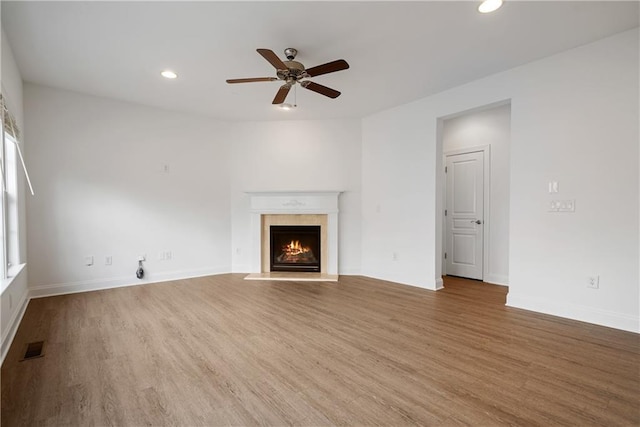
{"x":486,"y":178}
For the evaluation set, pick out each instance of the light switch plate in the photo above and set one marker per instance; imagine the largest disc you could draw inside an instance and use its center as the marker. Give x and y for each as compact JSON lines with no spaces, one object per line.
{"x":562,"y":206}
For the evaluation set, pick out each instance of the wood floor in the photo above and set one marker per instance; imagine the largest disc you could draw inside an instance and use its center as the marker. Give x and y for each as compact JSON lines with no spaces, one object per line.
{"x":221,"y":350}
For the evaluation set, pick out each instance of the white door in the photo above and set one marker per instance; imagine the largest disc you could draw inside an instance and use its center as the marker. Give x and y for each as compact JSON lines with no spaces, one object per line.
{"x":464,"y":215}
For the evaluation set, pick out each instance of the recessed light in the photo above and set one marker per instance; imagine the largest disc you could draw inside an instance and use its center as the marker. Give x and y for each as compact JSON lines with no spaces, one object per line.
{"x":488,"y":6}
{"x":168,"y":74}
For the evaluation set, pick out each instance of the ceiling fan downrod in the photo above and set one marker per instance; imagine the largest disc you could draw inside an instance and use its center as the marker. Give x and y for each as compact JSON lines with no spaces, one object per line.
{"x":290,"y":53}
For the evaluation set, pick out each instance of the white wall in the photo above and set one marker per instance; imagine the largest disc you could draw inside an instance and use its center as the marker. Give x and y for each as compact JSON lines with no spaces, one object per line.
{"x":576,"y":122}
{"x":297,"y":156}
{"x":574,"y":119}
{"x":104,"y":194}
{"x":14,"y":297}
{"x":491,"y":127}
{"x":398,"y":193}
{"x":97,"y":169}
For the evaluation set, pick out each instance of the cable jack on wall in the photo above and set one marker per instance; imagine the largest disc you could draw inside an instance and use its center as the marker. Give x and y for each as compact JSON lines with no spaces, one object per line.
{"x":140,"y":270}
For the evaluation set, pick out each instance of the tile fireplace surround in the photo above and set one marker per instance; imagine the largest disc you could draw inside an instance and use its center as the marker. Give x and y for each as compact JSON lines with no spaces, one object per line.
{"x":294,"y":208}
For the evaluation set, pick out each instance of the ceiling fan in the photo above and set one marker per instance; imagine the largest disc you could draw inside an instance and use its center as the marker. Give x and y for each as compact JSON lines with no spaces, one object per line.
{"x":292,"y":72}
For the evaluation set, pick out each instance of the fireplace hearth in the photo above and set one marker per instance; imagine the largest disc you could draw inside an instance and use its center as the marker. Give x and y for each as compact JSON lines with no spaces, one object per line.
{"x":295,"y":248}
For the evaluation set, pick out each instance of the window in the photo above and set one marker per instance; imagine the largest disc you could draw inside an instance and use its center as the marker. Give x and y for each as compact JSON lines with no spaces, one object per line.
{"x":10,"y":158}
{"x":10,"y":247}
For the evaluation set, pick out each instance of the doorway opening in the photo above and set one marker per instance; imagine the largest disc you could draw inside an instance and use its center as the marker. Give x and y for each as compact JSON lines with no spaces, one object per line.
{"x":474,"y":193}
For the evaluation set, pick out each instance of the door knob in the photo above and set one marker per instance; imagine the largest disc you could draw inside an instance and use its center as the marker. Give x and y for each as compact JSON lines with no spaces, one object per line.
{"x":477,"y":221}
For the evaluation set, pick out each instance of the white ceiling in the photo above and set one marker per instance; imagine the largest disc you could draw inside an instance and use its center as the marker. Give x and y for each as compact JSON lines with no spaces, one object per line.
{"x":398,"y":51}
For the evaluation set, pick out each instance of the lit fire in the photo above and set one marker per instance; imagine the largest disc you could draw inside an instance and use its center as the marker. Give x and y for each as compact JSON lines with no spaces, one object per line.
{"x":295,"y":252}
{"x":295,"y":248}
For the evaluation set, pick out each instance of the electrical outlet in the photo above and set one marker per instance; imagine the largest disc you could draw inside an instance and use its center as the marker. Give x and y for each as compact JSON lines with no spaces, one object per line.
{"x":108,"y":260}
{"x":394,"y":256}
{"x":168,"y":255}
{"x":88,"y":260}
{"x":593,"y":282}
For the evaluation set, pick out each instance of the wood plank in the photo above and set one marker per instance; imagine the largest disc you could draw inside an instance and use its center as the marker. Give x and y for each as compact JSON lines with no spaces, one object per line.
{"x":221,"y":350}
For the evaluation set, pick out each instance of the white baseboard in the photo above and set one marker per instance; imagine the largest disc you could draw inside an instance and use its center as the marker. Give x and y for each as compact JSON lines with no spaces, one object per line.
{"x":349,"y":272}
{"x":95,"y":285}
{"x":14,"y":322}
{"x":439,"y":284}
{"x":383,"y":275}
{"x":497,"y":279}
{"x":593,"y":315}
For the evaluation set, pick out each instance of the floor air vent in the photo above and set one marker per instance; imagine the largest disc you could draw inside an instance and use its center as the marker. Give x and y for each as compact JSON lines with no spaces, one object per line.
{"x":33,"y":350}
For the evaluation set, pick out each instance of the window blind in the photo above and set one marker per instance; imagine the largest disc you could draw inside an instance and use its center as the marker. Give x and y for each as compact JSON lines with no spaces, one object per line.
{"x":9,"y":122}
{"x":11,"y":128}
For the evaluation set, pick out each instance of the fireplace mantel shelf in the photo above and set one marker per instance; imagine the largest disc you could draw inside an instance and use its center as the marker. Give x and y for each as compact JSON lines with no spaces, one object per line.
{"x":294,"y":202}
{"x":293,"y":193}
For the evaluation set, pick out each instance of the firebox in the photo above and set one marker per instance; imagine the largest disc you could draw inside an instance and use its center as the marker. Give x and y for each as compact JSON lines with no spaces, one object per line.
{"x":295,"y":248}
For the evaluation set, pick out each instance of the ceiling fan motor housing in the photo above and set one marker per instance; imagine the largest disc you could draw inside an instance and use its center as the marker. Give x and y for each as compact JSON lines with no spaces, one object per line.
{"x":295,"y":71}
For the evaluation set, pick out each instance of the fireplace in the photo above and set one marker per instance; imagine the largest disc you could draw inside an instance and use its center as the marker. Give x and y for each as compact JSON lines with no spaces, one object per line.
{"x":294,"y":209}
{"x":295,"y":248}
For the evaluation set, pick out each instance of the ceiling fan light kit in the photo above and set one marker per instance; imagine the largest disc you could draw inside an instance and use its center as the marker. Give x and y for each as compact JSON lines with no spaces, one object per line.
{"x":292,"y":72}
{"x":488,"y":6}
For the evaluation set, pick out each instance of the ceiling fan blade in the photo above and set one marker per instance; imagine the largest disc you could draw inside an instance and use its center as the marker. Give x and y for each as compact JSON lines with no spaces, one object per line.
{"x":323,"y":90}
{"x":329,"y":67}
{"x":282,"y":94}
{"x":254,"y":79}
{"x":272,"y":58}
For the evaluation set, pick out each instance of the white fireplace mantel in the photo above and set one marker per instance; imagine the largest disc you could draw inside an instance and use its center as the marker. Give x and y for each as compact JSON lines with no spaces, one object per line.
{"x":294,"y":203}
